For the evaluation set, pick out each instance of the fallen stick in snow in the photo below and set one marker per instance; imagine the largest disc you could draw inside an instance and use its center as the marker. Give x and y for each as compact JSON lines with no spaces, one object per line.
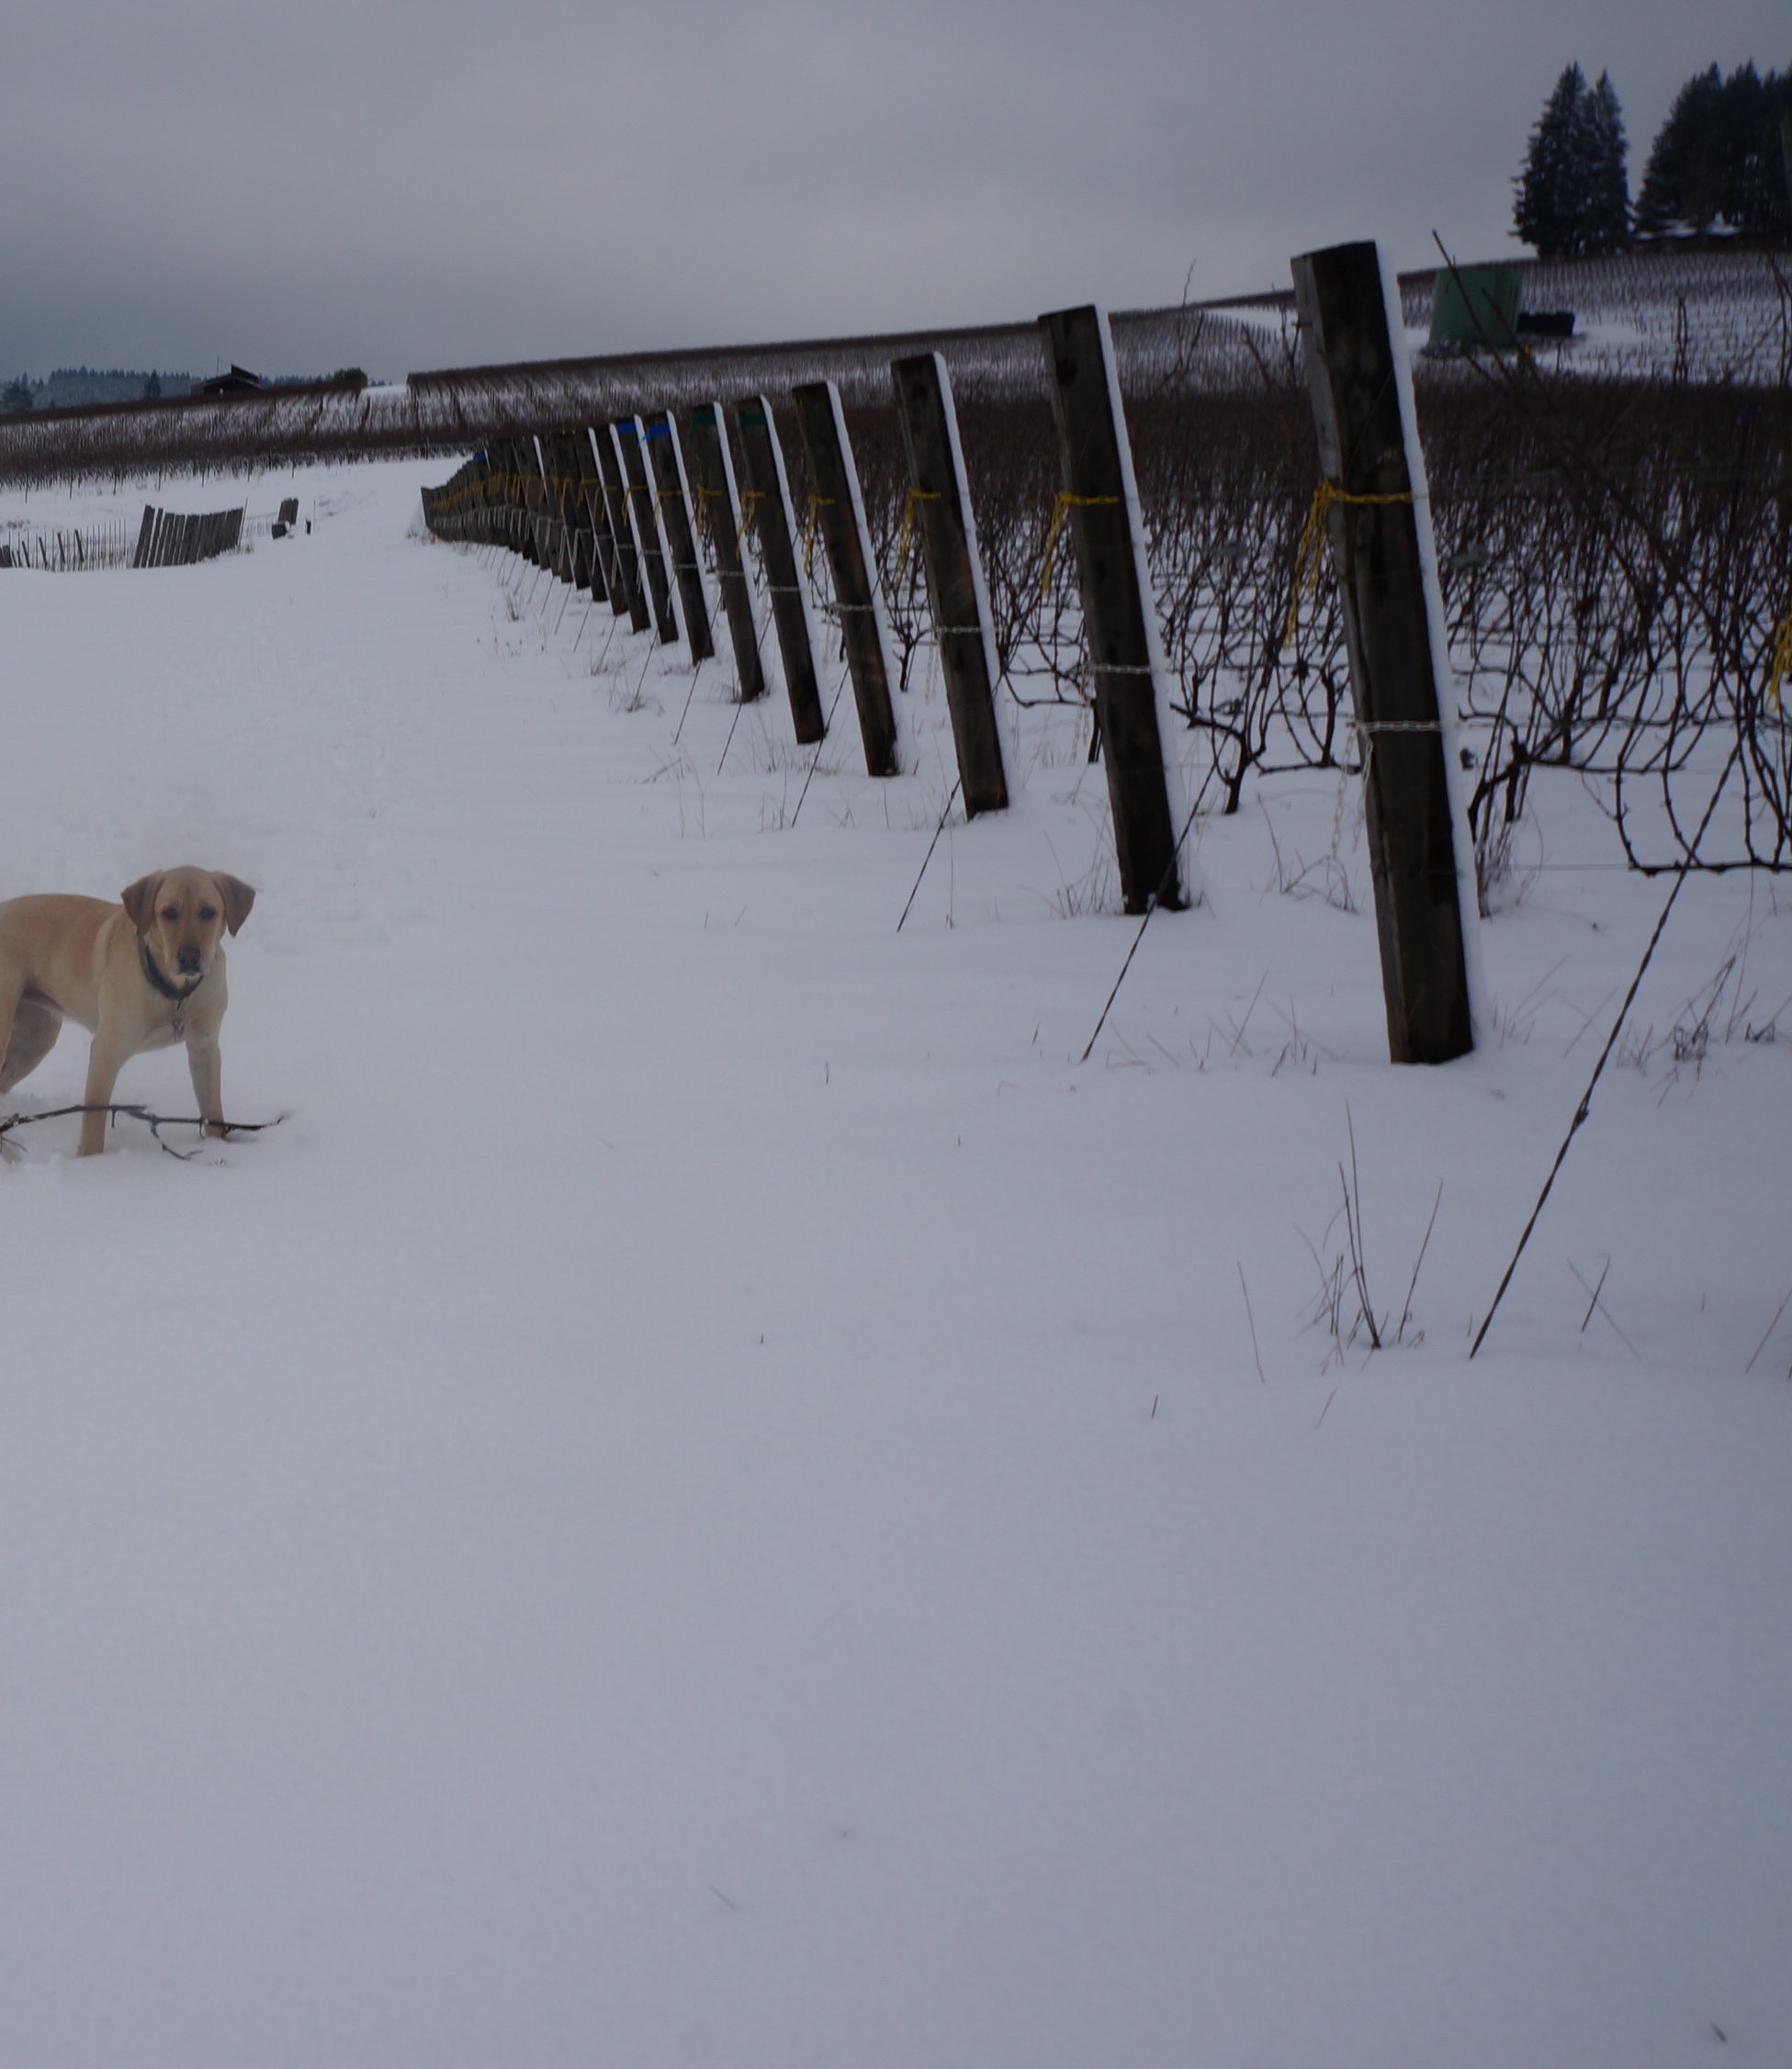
{"x":154,"y":1122}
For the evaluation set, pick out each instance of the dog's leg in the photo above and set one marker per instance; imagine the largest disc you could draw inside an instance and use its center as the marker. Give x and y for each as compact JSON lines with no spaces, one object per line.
{"x":103,"y":1064}
{"x":35,"y":1024}
{"x":8,"y":1006}
{"x":203,"y":1062}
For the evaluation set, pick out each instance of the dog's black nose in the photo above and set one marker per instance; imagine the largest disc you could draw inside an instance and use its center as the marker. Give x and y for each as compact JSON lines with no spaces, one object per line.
{"x":188,"y":960}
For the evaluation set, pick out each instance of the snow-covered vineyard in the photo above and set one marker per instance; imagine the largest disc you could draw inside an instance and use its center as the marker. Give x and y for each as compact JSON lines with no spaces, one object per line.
{"x":711,"y":1493}
{"x":1705,"y":315}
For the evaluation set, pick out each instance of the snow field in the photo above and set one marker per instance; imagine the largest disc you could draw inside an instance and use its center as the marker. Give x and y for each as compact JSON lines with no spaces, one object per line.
{"x":708,"y":1497}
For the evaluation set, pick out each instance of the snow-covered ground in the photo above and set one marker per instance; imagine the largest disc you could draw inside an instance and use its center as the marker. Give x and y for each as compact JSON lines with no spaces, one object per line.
{"x":713,"y":1496}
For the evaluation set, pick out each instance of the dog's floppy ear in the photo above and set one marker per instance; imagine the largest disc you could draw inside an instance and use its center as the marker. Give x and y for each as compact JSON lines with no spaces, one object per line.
{"x":237,"y":898}
{"x":140,"y":902}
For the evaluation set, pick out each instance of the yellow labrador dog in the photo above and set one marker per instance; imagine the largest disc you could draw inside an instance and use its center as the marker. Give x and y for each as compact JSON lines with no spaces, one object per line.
{"x":139,"y":974}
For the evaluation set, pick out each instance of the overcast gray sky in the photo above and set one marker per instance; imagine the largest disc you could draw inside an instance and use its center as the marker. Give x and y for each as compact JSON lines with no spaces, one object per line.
{"x":399,"y":186}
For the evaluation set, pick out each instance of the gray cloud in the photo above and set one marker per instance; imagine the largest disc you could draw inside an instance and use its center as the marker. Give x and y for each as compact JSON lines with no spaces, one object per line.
{"x":401,"y":186}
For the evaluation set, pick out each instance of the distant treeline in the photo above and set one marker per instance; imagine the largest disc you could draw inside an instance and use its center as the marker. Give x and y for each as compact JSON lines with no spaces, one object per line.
{"x":73,"y":388}
{"x":69,"y":386}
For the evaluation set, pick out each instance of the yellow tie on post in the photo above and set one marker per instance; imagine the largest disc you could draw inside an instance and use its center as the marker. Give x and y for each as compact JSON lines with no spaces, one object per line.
{"x":1312,"y":533}
{"x":905,"y":537}
{"x":816,"y":502}
{"x":1782,"y":662}
{"x":1061,"y":505}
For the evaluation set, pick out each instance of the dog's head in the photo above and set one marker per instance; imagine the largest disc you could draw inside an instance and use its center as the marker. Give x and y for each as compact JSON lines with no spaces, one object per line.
{"x":180,"y":914}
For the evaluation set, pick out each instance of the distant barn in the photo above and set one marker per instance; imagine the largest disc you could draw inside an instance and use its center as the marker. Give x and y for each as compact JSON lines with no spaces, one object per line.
{"x":238,"y":382}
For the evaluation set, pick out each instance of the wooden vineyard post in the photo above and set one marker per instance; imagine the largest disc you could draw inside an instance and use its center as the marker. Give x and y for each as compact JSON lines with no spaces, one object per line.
{"x":510,"y":492}
{"x":838,"y":511}
{"x":523,"y":458}
{"x":1378,"y":515}
{"x":660,"y":434}
{"x":716,"y":491}
{"x":770,"y":488}
{"x":627,"y":594}
{"x":604,"y":578}
{"x":543,"y":519}
{"x":520,"y":464}
{"x":496,"y":495}
{"x":491,"y":497}
{"x":578,"y":507}
{"x":647,"y":526}
{"x":563,"y":496}
{"x":568,"y":507}
{"x":476,"y":511}
{"x":939,"y":506}
{"x":1100,"y":507}
{"x":549,"y":535}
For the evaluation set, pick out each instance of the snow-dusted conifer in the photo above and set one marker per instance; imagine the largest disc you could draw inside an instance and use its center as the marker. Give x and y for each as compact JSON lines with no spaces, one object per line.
{"x":1573,"y":194}
{"x":1719,"y":158}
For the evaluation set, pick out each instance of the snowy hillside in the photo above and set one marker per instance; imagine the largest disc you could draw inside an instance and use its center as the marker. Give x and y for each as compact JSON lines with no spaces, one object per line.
{"x":712,"y":1495}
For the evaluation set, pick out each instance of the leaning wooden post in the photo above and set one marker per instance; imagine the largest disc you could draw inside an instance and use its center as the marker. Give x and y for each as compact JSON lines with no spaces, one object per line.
{"x":660,"y":434}
{"x":1100,"y":502}
{"x":769,"y":486}
{"x":562,"y":483}
{"x":939,"y":505}
{"x":521,"y":529}
{"x":604,"y":578}
{"x":938,"y":508}
{"x":1378,"y":514}
{"x":522,"y":525}
{"x":497,"y":493}
{"x":571,"y":505}
{"x":627,"y":593}
{"x":541,"y":510}
{"x":837,"y":508}
{"x":646,"y":527}
{"x":145,"y":535}
{"x":717,"y":499}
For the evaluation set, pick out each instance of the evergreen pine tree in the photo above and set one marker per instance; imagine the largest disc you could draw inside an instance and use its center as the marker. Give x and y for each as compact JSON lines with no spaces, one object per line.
{"x":1573,"y":194}
{"x":1718,"y":158}
{"x":1605,"y":220}
{"x":1541,"y":214}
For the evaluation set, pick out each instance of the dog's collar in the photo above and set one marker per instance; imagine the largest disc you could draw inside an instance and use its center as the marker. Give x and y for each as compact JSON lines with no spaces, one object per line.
{"x":159,"y":983}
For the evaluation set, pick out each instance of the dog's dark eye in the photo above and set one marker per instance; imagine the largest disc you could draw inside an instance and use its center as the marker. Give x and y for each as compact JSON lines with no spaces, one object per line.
{"x":207,"y":912}
{"x":171,"y":912}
